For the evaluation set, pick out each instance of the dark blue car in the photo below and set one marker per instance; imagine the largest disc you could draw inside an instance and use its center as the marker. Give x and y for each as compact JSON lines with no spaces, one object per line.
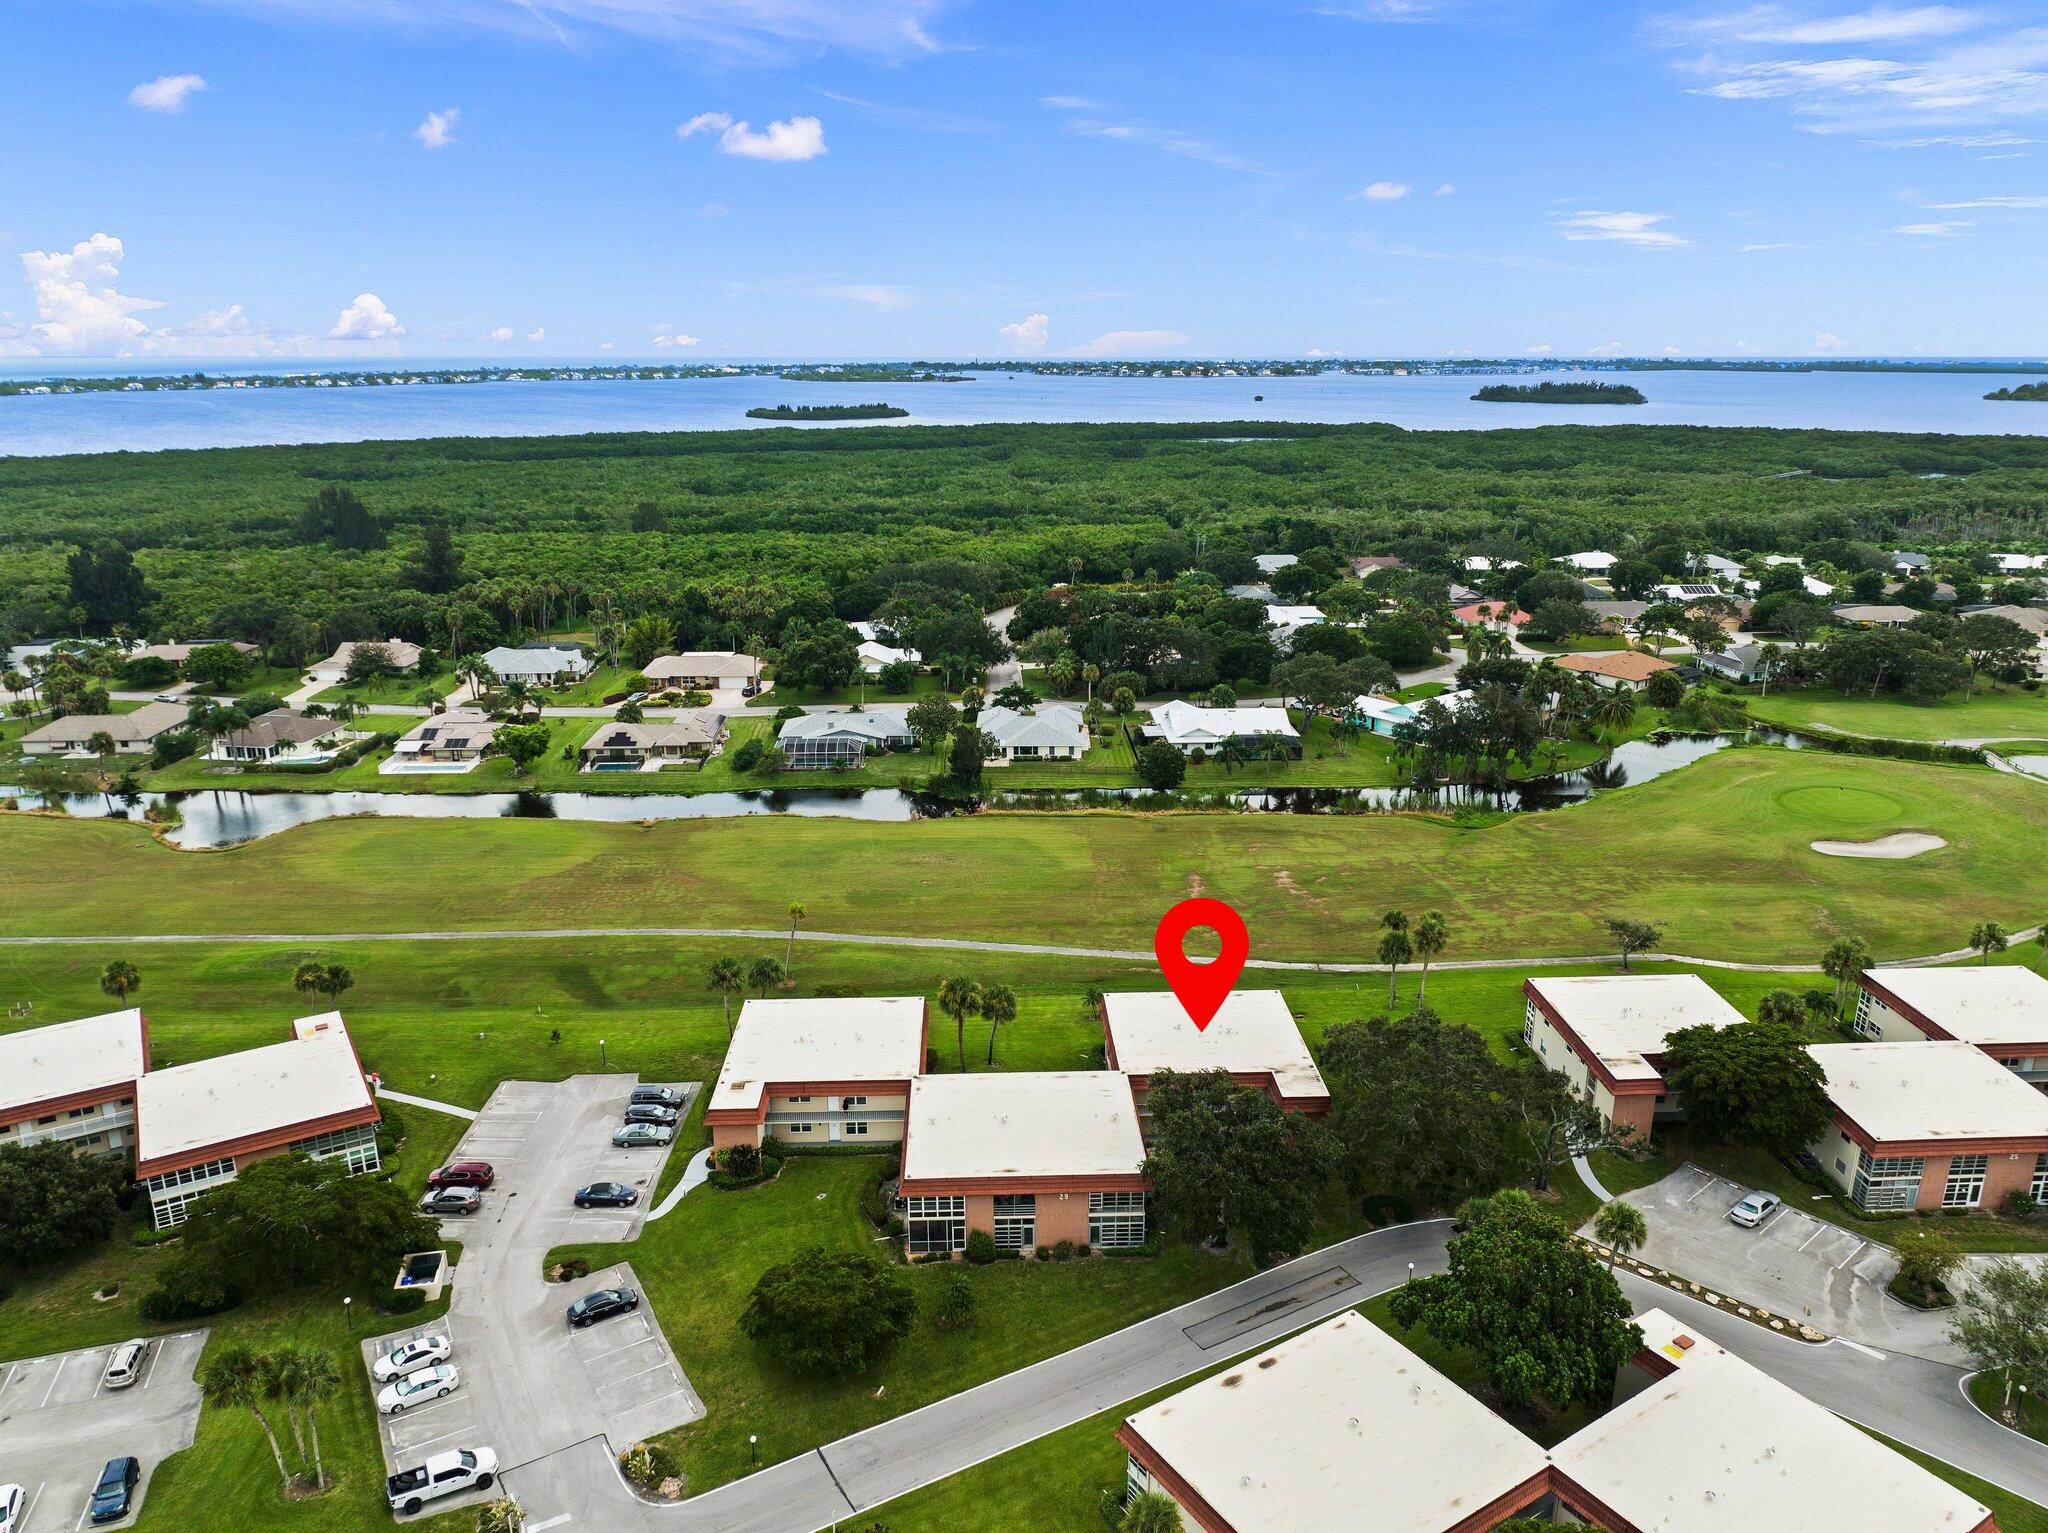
{"x":115,"y":1493}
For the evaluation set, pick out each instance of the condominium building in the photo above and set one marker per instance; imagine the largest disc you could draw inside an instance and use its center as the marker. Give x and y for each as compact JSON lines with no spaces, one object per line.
{"x":1253,"y":1036}
{"x":813,"y":1072}
{"x":1033,"y":1159}
{"x":74,"y":1082}
{"x":2003,"y":1011}
{"x":1605,"y":1033}
{"x":198,"y":1126}
{"x":1930,"y":1125}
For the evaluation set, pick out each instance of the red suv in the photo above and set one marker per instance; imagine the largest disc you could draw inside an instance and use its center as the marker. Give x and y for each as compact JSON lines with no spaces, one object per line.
{"x":463,"y":1173}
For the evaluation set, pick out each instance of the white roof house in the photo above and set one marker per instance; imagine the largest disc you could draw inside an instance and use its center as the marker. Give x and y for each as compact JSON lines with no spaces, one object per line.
{"x":1985,"y":1006}
{"x":1383,"y":715}
{"x":1479,"y":564}
{"x":1048,"y":730}
{"x":719,"y":667}
{"x":871,"y":728}
{"x":540,"y":663}
{"x":1285,"y":619}
{"x":1191,"y":726}
{"x":875,"y":655}
{"x":1816,"y":586}
{"x":1270,"y":564}
{"x":1929,"y":1092}
{"x":1719,"y":1446}
{"x":66,"y":1059}
{"x":2019,"y":564}
{"x":867,"y":1038}
{"x":1715,"y":564}
{"x":1338,"y":1430}
{"x":1077,"y":1124}
{"x":1621,"y":1018}
{"x":255,"y":1095}
{"x":403,"y":657}
{"x":1593,"y":561}
{"x":1253,"y":1034}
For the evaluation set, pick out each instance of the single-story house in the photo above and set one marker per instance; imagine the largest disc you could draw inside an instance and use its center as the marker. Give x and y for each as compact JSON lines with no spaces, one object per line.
{"x":1046,"y":732}
{"x":1253,"y":1036}
{"x":818,"y":1071}
{"x":821,"y":739}
{"x":1929,"y":1125}
{"x":1272,"y":564}
{"x":1490,"y":613}
{"x":2019,"y":564}
{"x":1686,"y":591}
{"x":1910,"y":563}
{"x":647,"y":746}
{"x":178,"y":652}
{"x":1593,"y":561}
{"x":1874,"y":615}
{"x":2033,"y":619}
{"x":445,"y":742}
{"x":1605,"y":1034}
{"x":1284,"y":621}
{"x":1715,"y":564}
{"x":1367,"y":564}
{"x":1616,"y":668}
{"x":1742,"y":663}
{"x":283,"y":734}
{"x":1259,"y":592}
{"x":1479,"y":564}
{"x":132,"y":733}
{"x":2003,"y":1011}
{"x":705,"y":670}
{"x":1618,"y":616}
{"x":1816,"y":587}
{"x":1462,"y":594}
{"x":1385,"y":715}
{"x":403,"y":657}
{"x":1030,"y":1158}
{"x":876,"y":653}
{"x":538,"y":665}
{"x":1193,"y":727}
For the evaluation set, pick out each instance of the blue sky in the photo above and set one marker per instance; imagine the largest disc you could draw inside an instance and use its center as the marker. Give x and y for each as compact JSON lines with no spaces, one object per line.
{"x":703,"y":179}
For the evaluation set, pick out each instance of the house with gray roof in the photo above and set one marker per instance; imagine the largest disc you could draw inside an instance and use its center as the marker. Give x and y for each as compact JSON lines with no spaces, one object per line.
{"x":1742,"y":663}
{"x":815,"y":740}
{"x":1618,"y":616}
{"x":1046,"y":732}
{"x":283,"y":734}
{"x":1874,"y":615}
{"x":444,"y":742}
{"x":537,"y":665}
{"x":651,"y":745}
{"x":132,"y":733}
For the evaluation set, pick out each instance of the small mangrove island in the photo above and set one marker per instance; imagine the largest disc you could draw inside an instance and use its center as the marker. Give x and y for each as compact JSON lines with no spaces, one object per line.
{"x":1561,"y":394}
{"x":2036,"y":392}
{"x":826,"y":412}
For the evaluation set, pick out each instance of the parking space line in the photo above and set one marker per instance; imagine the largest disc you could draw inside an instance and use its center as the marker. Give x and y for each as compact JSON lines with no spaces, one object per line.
{"x":53,"y":1382}
{"x":149,"y":1368}
{"x":1819,"y":1230}
{"x":81,"y":1515}
{"x":430,"y":1441}
{"x":29,"y":1512}
{"x":419,"y":1411}
{"x":614,"y":1383}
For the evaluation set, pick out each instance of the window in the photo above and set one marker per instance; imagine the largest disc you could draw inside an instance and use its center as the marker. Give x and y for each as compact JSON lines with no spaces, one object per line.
{"x":2039,"y":1189}
{"x":1016,"y":1221}
{"x":798,"y":1100}
{"x":1864,"y":1022}
{"x":851,"y":1103}
{"x":935,"y":1224}
{"x":357,"y":1146}
{"x":1116,"y":1219}
{"x":1965,"y":1185}
{"x":1887,"y":1184}
{"x":799,"y":1128}
{"x":857,"y":1129}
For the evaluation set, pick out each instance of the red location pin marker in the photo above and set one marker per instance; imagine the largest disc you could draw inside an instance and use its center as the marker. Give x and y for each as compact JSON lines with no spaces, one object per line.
{"x":1202,"y":988}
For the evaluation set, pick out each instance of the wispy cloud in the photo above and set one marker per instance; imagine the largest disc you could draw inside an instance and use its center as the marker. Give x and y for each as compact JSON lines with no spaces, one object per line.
{"x":1071,"y":104}
{"x":1954,"y":141}
{"x":1151,"y":136}
{"x":1991,"y":202}
{"x":882,"y":297}
{"x":1875,"y":24}
{"x":1625,"y":228}
{"x":1948,"y":229}
{"x":437,"y":129}
{"x":1383,"y":191}
{"x":923,"y":119}
{"x":1133,"y":343}
{"x":166,"y":93}
{"x":800,"y":138}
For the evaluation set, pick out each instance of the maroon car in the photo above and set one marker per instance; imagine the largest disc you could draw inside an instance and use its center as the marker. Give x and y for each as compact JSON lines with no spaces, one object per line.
{"x":463,"y":1173}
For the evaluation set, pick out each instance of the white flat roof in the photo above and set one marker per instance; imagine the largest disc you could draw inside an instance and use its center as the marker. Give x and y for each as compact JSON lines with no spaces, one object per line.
{"x":1075,"y":1123}
{"x":2007,"y":1004}
{"x":1338,"y":1430}
{"x":1622,"y":1017}
{"x":1722,"y":1447}
{"x":39,"y":1064}
{"x":867,"y":1038}
{"x":187,"y":1108}
{"x":1910,"y":1091}
{"x":1254,"y":1032}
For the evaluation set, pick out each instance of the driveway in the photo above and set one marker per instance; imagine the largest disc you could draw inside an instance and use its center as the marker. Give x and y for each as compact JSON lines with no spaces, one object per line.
{"x":1792,"y":1264}
{"x":531,"y":1388}
{"x":58,"y":1427}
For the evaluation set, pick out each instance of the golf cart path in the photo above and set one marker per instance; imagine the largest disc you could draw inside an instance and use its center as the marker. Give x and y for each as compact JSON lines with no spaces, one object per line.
{"x":955,"y":944}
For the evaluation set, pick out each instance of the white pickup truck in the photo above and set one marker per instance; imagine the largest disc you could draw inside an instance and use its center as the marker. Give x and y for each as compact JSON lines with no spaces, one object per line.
{"x":445,"y":1474}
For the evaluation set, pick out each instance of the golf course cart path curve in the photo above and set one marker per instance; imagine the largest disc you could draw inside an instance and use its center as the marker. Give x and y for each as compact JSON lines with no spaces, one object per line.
{"x":1899,"y":844}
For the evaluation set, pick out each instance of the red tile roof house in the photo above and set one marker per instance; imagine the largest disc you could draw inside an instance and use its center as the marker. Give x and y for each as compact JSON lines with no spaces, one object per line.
{"x":1253,"y":1036}
{"x":811,"y":1072}
{"x":1341,"y":1429}
{"x":1033,"y":1159}
{"x":74,"y":1082}
{"x":2004,"y":1011}
{"x":1930,"y":1125}
{"x":1494,"y":614}
{"x":1605,"y":1033}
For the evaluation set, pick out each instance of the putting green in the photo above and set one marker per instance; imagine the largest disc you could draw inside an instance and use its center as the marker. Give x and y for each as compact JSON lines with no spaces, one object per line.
{"x":1826,"y":804}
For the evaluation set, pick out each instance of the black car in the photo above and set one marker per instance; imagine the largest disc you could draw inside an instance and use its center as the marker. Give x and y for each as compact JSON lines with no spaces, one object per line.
{"x":115,"y":1493}
{"x":602,"y":1305}
{"x":660,"y":1096}
{"x":607,"y":1195}
{"x":651,"y":1112}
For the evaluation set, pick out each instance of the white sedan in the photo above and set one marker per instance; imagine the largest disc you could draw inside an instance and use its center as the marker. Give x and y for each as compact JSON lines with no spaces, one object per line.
{"x":418,"y":1388}
{"x":12,"y":1499}
{"x":410,"y":1357}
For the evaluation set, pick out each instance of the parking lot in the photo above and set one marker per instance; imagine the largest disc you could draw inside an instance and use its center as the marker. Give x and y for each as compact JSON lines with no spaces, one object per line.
{"x":530,"y":1385}
{"x":59,"y":1426}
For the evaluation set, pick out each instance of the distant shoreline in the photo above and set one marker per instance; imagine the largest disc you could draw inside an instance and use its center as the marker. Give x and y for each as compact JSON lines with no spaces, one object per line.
{"x":1549,"y":393}
{"x":875,"y":412}
{"x":2026,"y":393}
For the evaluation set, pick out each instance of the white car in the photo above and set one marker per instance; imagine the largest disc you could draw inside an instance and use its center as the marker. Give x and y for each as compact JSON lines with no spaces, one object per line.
{"x":418,"y":1388}
{"x":13,"y":1499}
{"x":410,"y":1357}
{"x":1754,"y":1209}
{"x":445,"y":1474}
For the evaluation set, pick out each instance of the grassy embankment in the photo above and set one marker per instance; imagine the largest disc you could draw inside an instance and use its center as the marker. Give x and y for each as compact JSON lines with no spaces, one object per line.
{"x":1991,"y":712}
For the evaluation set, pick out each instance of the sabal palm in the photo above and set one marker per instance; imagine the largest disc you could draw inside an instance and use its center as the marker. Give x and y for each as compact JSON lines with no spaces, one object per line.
{"x":1428,"y":939}
{"x":796,"y":914}
{"x":319,"y":1378}
{"x":763,"y":974}
{"x":233,"y":1377}
{"x":728,"y":976}
{"x":999,"y":1006}
{"x":120,"y":979}
{"x":959,"y":998}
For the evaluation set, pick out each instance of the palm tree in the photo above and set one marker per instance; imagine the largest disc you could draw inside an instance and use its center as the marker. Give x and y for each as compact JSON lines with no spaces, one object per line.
{"x":728,"y":976}
{"x":279,"y":1374}
{"x":319,"y":1378}
{"x":796,"y":914}
{"x":120,"y":979}
{"x":323,"y":979}
{"x":1091,"y":673}
{"x":1430,"y":934}
{"x":232,"y":1377}
{"x":1768,"y":656}
{"x":1395,"y":950}
{"x":999,"y":1006}
{"x":101,"y":743}
{"x":959,"y":998}
{"x":764,"y":974}
{"x":1616,"y":710}
{"x":1986,"y":938}
{"x":1844,"y":962}
{"x":1621,"y":1228}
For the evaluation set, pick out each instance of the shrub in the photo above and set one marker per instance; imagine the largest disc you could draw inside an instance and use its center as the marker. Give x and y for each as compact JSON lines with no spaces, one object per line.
{"x":390,"y":1132}
{"x":648,"y":1464}
{"x":748,"y":755}
{"x":955,"y":1310}
{"x":500,"y":1516}
{"x":2021,"y":1204}
{"x":1063,"y":1252}
{"x":741,"y":1160}
{"x":398,"y":1301}
{"x":160,"y":1305}
{"x":1045,"y":1253}
{"x":981,"y":1247}
{"x":829,"y":1312}
{"x":1081,"y":1249}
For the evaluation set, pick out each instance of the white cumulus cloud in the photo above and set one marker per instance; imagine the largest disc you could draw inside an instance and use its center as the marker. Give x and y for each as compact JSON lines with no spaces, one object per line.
{"x":166,"y":93}
{"x":502,"y":333}
{"x":667,"y":337}
{"x":365,"y":320}
{"x":1029,"y":333}
{"x":1827,"y":340}
{"x":437,"y":129}
{"x":78,"y":309}
{"x":1132,"y":343}
{"x":1383,"y":191}
{"x":537,"y":333}
{"x":1628,"y":228}
{"x":800,"y":138}
{"x":1446,"y":190}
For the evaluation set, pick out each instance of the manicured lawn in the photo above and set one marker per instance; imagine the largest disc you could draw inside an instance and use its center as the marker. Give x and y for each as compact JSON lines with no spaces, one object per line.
{"x":1987,"y":1393}
{"x":398,"y":691}
{"x":495,"y":775}
{"x":1717,"y":855}
{"x":1992,"y":711}
{"x":925,"y":684}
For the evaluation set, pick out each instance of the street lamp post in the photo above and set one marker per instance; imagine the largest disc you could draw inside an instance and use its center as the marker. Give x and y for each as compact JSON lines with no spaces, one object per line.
{"x":600,"y":1055}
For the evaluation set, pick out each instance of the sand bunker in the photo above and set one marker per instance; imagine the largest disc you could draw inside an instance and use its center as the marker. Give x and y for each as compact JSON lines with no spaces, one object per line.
{"x":1904,"y":843}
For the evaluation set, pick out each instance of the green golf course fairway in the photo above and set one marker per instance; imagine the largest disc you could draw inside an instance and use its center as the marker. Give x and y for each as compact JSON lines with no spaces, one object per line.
{"x":1717,"y":854}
